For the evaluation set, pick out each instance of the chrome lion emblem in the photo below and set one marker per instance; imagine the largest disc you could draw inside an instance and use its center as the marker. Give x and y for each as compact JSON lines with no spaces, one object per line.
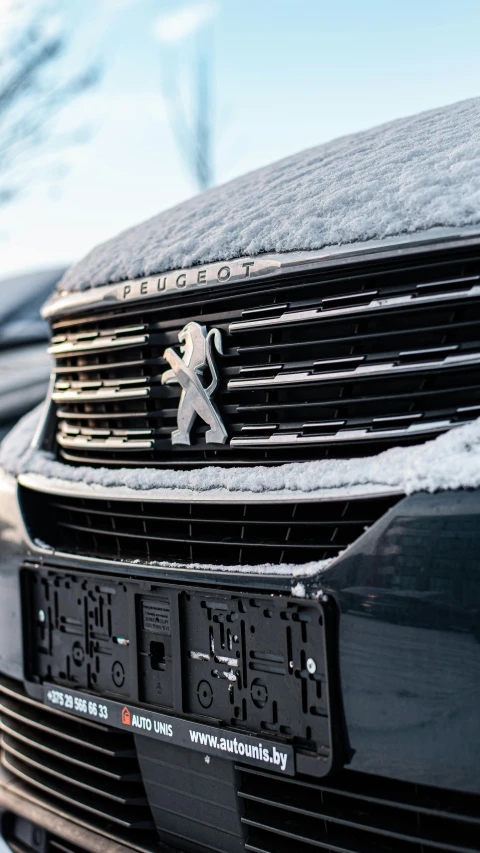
{"x":197,"y":347}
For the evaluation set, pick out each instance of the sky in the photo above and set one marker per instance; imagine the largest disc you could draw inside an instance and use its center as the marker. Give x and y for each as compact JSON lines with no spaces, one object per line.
{"x":285,"y":76}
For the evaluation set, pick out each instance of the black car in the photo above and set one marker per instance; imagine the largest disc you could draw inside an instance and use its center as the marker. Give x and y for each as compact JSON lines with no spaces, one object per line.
{"x":242,"y":456}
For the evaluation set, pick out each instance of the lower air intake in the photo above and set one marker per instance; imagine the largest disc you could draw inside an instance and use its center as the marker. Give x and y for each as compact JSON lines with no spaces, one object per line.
{"x":356,"y":813}
{"x":223,"y":533}
{"x":81,"y":769}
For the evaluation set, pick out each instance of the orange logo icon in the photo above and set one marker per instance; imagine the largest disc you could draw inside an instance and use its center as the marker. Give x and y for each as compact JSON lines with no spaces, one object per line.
{"x":126,"y":716}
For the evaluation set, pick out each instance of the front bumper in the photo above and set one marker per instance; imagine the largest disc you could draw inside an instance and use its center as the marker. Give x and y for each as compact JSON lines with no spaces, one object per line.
{"x":408,"y":593}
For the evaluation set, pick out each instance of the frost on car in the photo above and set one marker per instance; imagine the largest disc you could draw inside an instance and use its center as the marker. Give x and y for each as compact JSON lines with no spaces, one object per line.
{"x":239,"y":574}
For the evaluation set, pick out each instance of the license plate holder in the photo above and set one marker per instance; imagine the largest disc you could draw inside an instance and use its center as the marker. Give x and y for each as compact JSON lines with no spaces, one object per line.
{"x":248,"y":665}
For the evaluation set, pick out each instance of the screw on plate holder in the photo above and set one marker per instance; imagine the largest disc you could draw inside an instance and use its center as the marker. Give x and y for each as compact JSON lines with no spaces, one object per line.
{"x":311,"y":666}
{"x":78,"y":653}
{"x":205,"y":694}
{"x":118,"y":674}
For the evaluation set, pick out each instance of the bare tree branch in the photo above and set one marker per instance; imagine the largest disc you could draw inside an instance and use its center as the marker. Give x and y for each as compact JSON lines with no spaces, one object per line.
{"x":192,"y":129}
{"x":33,"y":92}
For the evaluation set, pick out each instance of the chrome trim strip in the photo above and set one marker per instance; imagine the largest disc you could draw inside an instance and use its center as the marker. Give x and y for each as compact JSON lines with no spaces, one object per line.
{"x":84,"y":416}
{"x":348,"y":435}
{"x":68,"y":429}
{"x":84,"y":442}
{"x":67,"y":488}
{"x":79,"y":385}
{"x":409,"y":417}
{"x":251,"y":268}
{"x":372,"y":370}
{"x":103,"y":395}
{"x":100,"y":343}
{"x":410,"y":300}
{"x":97,"y":333}
{"x":226,"y":272}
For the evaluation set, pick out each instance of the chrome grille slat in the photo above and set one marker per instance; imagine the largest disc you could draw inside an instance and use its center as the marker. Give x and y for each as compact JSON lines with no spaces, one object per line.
{"x":347,"y":435}
{"x":319,"y":313}
{"x":100,"y":383}
{"x":371,"y":371}
{"x":104,"y":433}
{"x":362,"y":338}
{"x":331,"y":402}
{"x":102,"y":395}
{"x":392,"y":340}
{"x":73,"y":348}
{"x":87,"y":443}
{"x":63,"y":413}
{"x":95,"y":335}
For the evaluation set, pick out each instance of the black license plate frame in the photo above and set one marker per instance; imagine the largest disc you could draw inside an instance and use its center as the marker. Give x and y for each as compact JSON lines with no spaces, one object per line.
{"x":258,"y":667}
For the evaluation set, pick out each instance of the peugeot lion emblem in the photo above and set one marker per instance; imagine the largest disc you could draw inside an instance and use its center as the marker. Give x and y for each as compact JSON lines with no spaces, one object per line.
{"x":197,"y":347}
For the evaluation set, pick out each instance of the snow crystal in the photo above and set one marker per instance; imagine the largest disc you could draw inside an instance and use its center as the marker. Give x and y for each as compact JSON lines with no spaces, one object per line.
{"x":409,"y":175}
{"x":451,"y":461}
{"x":298,"y":590}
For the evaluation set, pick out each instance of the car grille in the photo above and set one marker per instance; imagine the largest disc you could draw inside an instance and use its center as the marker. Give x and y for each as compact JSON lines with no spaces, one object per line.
{"x":356,"y":813}
{"x":84,"y":768}
{"x":229,"y":533}
{"x":328,"y":363}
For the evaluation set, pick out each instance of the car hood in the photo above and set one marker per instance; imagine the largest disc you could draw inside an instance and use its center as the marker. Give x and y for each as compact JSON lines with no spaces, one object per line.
{"x":404,"y":177}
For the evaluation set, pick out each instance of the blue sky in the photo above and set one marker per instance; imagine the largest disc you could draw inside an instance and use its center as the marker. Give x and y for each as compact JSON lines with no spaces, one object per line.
{"x":286,"y":76}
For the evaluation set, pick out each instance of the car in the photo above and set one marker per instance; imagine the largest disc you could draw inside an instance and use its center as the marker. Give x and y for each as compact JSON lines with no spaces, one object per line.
{"x":263,"y":427}
{"x":25,"y":366}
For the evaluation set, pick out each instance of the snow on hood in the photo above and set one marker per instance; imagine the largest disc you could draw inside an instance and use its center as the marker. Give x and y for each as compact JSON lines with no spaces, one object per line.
{"x":451,"y":461}
{"x":407,"y":176}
